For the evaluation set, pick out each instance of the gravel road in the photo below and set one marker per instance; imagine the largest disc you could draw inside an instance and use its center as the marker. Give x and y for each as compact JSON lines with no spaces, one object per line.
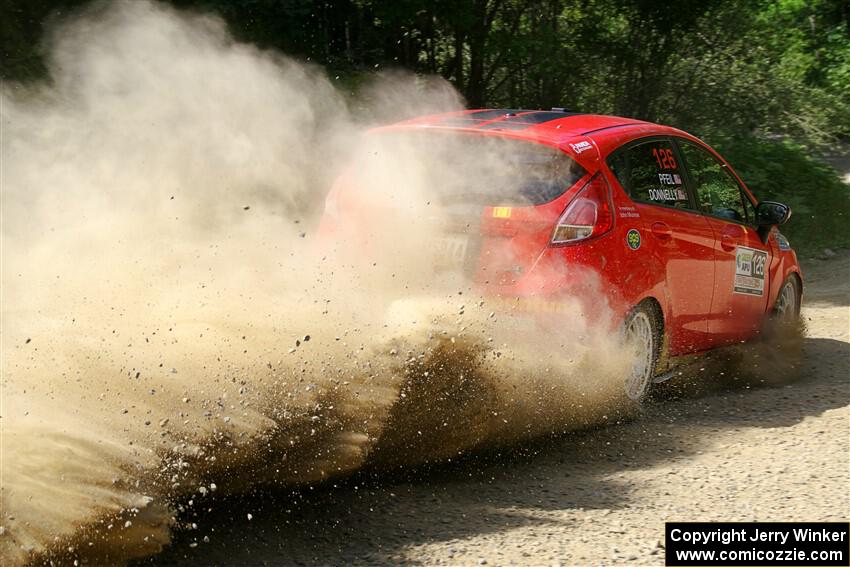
{"x":597,"y":497}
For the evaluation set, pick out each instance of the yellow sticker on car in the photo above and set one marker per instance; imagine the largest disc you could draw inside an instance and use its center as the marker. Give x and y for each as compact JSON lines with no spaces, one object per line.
{"x":501,"y":212}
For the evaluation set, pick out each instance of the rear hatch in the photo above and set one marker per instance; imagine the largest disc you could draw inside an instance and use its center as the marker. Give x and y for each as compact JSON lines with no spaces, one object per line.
{"x":484,"y":205}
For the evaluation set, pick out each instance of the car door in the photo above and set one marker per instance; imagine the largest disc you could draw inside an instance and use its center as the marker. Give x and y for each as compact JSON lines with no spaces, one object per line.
{"x":679,"y":240}
{"x":741,"y":258}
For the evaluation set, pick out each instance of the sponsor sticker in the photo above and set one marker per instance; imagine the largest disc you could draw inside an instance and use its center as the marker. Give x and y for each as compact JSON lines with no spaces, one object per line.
{"x":629,"y":212}
{"x":580,"y":147}
{"x":749,"y":271}
{"x":782,"y":241}
{"x":633,"y":239}
{"x":501,"y":212}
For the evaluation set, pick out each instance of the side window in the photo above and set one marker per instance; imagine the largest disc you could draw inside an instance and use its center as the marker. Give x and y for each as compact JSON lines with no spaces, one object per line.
{"x":749,"y":209}
{"x":718,"y":192}
{"x":650,"y":172}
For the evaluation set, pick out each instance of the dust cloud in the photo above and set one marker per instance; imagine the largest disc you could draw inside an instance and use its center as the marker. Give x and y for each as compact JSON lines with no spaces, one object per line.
{"x":174,"y":328}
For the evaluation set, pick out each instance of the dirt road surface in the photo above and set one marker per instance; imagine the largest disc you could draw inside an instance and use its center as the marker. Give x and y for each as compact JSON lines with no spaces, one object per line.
{"x":597,"y":497}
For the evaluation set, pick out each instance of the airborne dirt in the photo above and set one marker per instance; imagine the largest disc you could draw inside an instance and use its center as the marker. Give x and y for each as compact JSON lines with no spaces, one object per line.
{"x":172,"y":339}
{"x":600,"y":497}
{"x":175,"y":331}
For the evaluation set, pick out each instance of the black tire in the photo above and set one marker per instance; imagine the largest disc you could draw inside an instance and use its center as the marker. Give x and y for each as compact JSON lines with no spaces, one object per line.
{"x":786,"y":308}
{"x":642,"y":332}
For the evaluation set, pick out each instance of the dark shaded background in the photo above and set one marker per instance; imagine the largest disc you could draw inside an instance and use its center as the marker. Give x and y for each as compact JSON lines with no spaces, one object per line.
{"x":765,"y":81}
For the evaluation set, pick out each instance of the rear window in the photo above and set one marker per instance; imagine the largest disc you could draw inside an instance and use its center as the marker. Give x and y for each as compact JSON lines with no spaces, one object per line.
{"x":458,"y":168}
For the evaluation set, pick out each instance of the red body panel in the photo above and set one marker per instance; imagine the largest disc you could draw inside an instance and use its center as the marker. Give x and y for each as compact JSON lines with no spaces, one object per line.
{"x":685,"y":260}
{"x":682,"y":247}
{"x":734,"y":316}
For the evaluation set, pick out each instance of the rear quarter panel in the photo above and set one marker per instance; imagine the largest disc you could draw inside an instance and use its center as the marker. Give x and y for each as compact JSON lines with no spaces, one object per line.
{"x":638,"y":274}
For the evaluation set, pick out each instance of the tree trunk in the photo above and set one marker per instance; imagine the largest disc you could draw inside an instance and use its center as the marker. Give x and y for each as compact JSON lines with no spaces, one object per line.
{"x":477,"y":46}
{"x":458,"y":65}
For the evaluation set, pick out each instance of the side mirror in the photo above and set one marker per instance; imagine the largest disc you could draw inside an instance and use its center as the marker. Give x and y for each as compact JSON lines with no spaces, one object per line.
{"x":771,"y":213}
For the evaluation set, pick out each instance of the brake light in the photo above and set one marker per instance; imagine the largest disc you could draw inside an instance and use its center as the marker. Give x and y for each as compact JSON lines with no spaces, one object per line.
{"x":588,"y":215}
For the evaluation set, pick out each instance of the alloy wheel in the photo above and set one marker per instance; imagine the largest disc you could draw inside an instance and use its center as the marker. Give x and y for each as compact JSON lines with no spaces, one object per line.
{"x":640,"y":335}
{"x":786,"y":304}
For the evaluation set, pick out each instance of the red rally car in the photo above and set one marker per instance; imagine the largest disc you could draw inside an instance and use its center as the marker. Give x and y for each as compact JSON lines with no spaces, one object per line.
{"x":683,"y":254}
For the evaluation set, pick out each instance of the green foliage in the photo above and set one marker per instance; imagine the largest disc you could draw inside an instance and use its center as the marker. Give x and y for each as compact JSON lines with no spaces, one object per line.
{"x":746,"y":70}
{"x":720,"y":67}
{"x":787,"y":172}
{"x":22,"y":26}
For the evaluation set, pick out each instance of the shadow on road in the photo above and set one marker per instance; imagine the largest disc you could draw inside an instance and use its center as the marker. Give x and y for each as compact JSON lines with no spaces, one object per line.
{"x":372,"y":518}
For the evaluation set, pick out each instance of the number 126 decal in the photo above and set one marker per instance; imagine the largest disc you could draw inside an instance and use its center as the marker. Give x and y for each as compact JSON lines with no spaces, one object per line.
{"x":664,"y":158}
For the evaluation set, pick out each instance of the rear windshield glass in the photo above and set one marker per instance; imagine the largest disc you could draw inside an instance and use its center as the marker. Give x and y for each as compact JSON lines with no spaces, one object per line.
{"x":467,"y":168}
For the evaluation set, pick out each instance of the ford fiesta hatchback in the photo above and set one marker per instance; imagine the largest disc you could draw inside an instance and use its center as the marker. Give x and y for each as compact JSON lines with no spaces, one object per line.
{"x":644,"y":219}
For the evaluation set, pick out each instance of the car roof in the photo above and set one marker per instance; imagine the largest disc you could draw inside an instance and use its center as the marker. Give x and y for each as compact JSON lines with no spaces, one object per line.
{"x":554,"y":125}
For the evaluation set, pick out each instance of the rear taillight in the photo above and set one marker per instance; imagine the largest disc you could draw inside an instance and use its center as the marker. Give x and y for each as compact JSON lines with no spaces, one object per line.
{"x":588,"y":215}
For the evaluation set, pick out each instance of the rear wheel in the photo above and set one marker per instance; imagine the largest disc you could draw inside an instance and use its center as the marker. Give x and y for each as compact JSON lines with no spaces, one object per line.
{"x":641,"y":334}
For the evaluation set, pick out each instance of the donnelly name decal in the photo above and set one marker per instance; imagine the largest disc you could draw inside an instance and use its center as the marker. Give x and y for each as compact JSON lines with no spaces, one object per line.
{"x":667,"y":195}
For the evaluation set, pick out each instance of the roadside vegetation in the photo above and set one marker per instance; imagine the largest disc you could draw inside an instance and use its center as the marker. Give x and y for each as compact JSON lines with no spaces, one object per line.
{"x":767,"y":82}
